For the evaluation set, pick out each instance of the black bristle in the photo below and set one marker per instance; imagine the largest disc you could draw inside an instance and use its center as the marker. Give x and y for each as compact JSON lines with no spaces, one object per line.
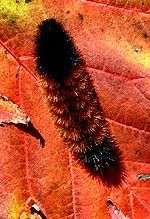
{"x":55,"y":52}
{"x":103,"y":159}
{"x":102,"y":156}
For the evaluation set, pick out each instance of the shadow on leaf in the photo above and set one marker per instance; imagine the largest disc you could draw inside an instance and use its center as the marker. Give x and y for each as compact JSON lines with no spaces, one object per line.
{"x":30,"y":129}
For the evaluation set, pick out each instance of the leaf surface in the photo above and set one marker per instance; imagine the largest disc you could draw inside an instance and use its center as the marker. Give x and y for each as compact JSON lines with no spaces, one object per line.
{"x":114,"y":41}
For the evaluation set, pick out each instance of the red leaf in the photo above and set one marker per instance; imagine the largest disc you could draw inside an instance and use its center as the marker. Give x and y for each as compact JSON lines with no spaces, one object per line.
{"x":114,"y":41}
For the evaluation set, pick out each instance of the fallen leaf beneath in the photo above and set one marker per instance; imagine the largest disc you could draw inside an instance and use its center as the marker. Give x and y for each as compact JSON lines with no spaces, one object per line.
{"x":11,"y":113}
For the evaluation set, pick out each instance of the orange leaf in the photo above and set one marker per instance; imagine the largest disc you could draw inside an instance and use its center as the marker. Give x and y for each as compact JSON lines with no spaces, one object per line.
{"x":114,"y":41}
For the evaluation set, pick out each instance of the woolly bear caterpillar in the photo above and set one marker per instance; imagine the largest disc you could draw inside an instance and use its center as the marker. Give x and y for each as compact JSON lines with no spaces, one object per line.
{"x":74,"y":103}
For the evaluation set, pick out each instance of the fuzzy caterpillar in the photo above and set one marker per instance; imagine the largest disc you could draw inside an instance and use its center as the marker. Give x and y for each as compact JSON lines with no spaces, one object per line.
{"x":74,"y":103}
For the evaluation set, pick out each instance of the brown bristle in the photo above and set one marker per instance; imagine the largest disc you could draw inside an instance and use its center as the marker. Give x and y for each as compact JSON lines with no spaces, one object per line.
{"x":82,"y":127}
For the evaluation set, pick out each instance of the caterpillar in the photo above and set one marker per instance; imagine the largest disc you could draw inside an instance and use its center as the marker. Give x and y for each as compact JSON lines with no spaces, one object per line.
{"x":74,"y":103}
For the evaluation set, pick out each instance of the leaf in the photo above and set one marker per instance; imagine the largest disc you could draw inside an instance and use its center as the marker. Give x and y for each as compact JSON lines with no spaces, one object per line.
{"x":114,"y":41}
{"x":134,"y":5}
{"x":10,"y":112}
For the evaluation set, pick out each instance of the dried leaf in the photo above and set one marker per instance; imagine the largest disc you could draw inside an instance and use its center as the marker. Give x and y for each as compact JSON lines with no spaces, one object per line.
{"x":11,"y":113}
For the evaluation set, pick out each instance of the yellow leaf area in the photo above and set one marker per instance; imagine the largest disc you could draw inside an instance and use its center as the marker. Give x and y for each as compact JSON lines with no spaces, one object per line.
{"x":24,"y":211}
{"x":14,"y":207}
{"x":17,"y":15}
